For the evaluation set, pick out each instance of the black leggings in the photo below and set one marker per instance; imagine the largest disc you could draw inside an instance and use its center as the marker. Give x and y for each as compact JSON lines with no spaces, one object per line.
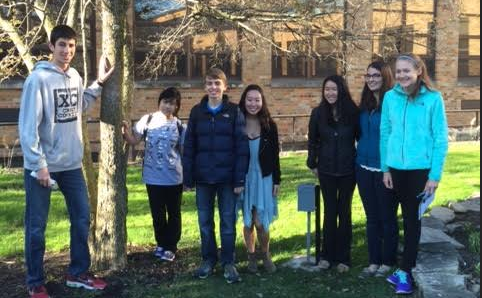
{"x":408,"y":185}
{"x":165,"y":202}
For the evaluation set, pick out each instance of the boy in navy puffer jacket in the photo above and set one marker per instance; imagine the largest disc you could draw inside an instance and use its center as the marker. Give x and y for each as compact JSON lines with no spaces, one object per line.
{"x":215,"y":161}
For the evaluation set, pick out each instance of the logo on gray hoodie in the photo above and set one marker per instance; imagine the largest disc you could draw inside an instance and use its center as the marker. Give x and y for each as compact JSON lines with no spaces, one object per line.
{"x":66,"y":105}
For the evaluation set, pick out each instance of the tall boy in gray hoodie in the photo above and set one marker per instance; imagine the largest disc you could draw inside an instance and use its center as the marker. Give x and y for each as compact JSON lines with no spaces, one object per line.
{"x":50,"y":128}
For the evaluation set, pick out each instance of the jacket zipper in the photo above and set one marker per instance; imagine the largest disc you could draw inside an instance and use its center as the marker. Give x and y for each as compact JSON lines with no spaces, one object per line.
{"x":337,"y":166}
{"x":404,"y":131}
{"x":369,"y":131}
{"x":212,"y":136}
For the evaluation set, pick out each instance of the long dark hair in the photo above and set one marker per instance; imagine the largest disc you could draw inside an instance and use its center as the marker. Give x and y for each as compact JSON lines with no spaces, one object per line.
{"x":423,"y":79}
{"x":169,"y":95}
{"x":263,"y":115}
{"x":345,"y":107}
{"x":368,"y":100}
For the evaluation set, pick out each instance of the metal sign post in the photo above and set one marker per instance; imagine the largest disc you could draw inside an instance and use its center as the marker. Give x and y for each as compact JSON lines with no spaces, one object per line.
{"x":318,"y":224}
{"x":309,"y":201}
{"x":308,"y":238}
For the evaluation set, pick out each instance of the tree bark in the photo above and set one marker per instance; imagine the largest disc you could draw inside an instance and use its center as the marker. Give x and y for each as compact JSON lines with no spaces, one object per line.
{"x":111,"y":231}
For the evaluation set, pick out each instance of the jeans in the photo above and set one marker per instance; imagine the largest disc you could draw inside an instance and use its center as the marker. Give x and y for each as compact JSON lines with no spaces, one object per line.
{"x":337,"y":224}
{"x":165,"y":203}
{"x":381,"y":211}
{"x":408,"y":185}
{"x":205,"y":198}
{"x":72,"y":185}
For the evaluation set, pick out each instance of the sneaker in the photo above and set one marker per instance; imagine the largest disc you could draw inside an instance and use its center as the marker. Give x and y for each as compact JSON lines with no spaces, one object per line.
{"x":158,"y":252}
{"x":168,"y":256}
{"x":394,"y":279}
{"x":38,"y":292}
{"x":324,"y":265}
{"x":342,"y":268}
{"x":369,"y":271}
{"x":204,"y":271}
{"x":231,"y":274}
{"x":86,"y":281}
{"x":404,"y":285}
{"x":383,"y":271}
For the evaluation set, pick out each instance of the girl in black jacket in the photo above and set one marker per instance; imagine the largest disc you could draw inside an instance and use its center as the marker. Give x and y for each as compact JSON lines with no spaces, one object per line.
{"x":258,"y":201}
{"x":331,"y":157}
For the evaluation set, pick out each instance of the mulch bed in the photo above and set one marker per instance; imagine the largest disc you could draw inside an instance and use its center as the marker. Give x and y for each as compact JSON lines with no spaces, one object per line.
{"x":143,"y":269}
{"x":470,"y":259}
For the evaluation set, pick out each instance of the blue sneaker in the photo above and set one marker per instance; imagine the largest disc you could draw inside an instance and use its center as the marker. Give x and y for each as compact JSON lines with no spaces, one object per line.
{"x":231,"y":274}
{"x":204,"y":271}
{"x":168,"y":256}
{"x":405,"y":284}
{"x":159,"y":252}
{"x":394,"y":279}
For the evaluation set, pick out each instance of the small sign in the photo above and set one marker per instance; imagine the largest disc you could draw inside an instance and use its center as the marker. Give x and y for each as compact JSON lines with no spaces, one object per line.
{"x":307,"y":197}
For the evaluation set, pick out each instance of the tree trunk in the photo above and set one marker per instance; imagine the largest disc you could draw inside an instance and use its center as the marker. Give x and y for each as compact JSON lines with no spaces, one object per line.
{"x":111,"y":232}
{"x":90,"y":175}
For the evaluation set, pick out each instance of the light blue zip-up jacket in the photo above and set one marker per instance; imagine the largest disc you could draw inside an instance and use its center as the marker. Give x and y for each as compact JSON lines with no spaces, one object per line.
{"x":413,"y":133}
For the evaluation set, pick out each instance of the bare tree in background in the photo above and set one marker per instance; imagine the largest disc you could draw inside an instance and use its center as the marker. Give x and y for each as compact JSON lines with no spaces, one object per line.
{"x":339,"y":24}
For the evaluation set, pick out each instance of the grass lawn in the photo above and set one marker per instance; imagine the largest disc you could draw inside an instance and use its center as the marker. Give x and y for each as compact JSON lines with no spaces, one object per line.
{"x":461,"y":179}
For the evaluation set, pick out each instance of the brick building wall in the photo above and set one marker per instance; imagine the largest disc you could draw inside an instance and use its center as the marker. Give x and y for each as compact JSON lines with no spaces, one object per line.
{"x":296,"y":97}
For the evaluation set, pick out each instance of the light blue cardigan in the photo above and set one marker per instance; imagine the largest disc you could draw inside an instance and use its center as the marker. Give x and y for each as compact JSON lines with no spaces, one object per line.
{"x":413,"y":133}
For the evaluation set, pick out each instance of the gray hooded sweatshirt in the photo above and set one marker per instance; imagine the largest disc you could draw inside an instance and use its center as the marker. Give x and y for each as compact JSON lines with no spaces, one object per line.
{"x":50,"y":120}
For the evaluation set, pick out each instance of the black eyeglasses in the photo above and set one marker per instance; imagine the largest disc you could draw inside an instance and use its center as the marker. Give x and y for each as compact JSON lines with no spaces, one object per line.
{"x":373,"y":76}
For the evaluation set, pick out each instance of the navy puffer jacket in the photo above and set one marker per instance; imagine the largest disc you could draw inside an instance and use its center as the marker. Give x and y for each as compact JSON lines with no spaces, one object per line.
{"x":216,"y":148}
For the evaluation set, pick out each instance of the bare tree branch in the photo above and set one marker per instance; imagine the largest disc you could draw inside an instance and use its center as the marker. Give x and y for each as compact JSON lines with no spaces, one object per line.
{"x":21,"y":46}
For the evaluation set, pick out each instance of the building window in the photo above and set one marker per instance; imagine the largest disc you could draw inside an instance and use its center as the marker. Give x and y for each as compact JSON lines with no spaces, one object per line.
{"x":405,"y":27}
{"x":188,"y":57}
{"x":187,"y":62}
{"x":469,"y":48}
{"x":297,"y":61}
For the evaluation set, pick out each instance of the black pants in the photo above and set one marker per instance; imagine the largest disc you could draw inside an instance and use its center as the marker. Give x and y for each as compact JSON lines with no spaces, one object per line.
{"x":337,"y":225}
{"x":408,"y":185}
{"x":165,"y":202}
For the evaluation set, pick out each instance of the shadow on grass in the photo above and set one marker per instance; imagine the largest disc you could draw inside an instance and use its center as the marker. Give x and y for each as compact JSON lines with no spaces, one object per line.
{"x":145,"y":276}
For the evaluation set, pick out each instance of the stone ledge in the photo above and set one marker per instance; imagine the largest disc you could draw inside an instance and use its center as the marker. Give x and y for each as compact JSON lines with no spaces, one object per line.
{"x":434,"y":236}
{"x":430,"y":292}
{"x":437,"y":272}
{"x":445,"y":262}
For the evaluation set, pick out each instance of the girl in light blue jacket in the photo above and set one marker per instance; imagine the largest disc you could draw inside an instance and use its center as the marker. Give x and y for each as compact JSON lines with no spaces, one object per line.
{"x":413,"y":147}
